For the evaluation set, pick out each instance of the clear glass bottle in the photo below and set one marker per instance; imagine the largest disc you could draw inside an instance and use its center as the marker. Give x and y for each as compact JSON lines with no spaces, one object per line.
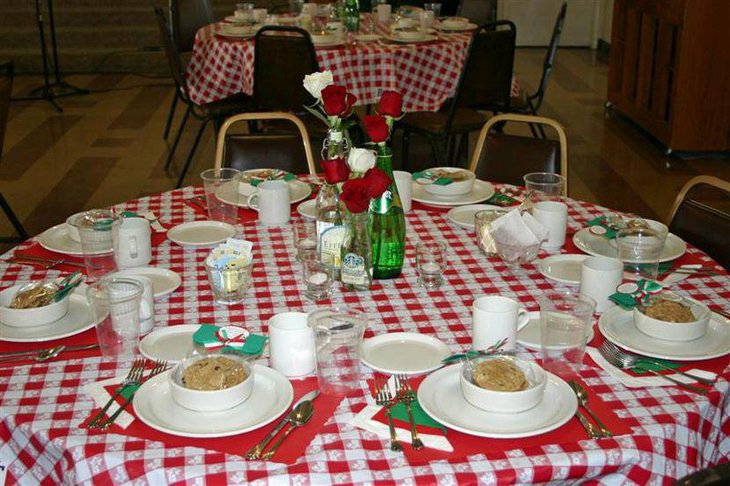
{"x":330,"y":229}
{"x":357,"y":262}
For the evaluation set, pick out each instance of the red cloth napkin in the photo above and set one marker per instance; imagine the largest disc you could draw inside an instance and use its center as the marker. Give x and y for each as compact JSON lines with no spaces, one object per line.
{"x":86,"y":337}
{"x":467,"y":445}
{"x":289,"y":452}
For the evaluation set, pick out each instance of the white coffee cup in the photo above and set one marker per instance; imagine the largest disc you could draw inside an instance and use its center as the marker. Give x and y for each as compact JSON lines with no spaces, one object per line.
{"x":146,"y":304}
{"x":599,"y":278}
{"x":259,"y":15}
{"x":384,"y":10}
{"x":496,"y":318}
{"x":404,"y":183}
{"x":554,"y":216}
{"x":132,"y":243}
{"x":291,"y":344}
{"x":272,"y":202}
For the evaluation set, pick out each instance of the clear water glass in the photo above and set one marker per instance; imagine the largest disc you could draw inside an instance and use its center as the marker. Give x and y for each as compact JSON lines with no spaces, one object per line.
{"x":305,"y":238}
{"x":244,"y":12}
{"x":217,"y":182}
{"x":115,"y":304}
{"x":318,"y":278}
{"x":95,"y":231}
{"x":434,"y":7}
{"x":640,"y":249}
{"x":229,"y":285}
{"x":430,"y":263}
{"x":483,"y":226}
{"x":542,"y":186}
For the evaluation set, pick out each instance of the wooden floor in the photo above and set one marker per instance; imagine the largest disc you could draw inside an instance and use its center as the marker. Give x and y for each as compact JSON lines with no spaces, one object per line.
{"x":107,"y":147}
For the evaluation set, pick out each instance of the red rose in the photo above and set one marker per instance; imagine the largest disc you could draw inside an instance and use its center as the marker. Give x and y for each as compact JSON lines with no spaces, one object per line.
{"x":391,"y":104}
{"x":335,"y":170}
{"x":376,"y":128}
{"x":356,"y":195}
{"x":378,"y":181}
{"x":337,"y":101}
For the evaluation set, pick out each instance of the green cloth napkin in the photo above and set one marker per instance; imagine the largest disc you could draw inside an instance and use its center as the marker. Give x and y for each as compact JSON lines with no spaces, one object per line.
{"x":603,"y":222}
{"x":427,"y":174}
{"x":650,"y":364}
{"x":253,"y":346}
{"x":129,"y":390}
{"x":420,"y":417}
{"x":499,"y":199}
{"x":283,"y":176}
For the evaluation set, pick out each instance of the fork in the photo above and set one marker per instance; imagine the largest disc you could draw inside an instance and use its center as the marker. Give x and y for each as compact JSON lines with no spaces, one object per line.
{"x":159,"y":367}
{"x":132,"y":378}
{"x":384,"y":398}
{"x":405,"y":395}
{"x":621,"y":360}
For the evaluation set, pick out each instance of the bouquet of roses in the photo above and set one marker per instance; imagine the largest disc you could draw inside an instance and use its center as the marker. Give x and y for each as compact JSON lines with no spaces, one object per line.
{"x":379,"y":127}
{"x":333,"y":103}
{"x":362,"y":180}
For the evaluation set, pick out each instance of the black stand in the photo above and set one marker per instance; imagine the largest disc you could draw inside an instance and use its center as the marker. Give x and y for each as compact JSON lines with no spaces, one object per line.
{"x":57,"y":89}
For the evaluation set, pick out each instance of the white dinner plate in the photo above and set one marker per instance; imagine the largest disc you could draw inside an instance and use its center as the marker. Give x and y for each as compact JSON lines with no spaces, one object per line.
{"x":463,"y":216}
{"x":404,"y":352}
{"x":598,"y":245}
{"x":308,"y":209}
{"x":617,"y":325}
{"x":565,"y":268}
{"x":78,"y":319}
{"x":56,"y":239}
{"x":468,"y":26}
{"x":164,"y":281}
{"x":481,"y":191}
{"x":329,"y":43}
{"x":529,"y":336}
{"x":440,"y":396}
{"x":171,"y":344}
{"x":420,"y":40}
{"x":271,"y":396}
{"x":201,"y":233}
{"x":230,"y":35}
{"x":367,"y":37}
{"x":228,"y":193}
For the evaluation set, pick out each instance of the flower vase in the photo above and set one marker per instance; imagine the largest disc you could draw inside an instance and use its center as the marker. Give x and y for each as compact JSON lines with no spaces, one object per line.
{"x":330,"y":228}
{"x":387,"y":224}
{"x":357,"y":263}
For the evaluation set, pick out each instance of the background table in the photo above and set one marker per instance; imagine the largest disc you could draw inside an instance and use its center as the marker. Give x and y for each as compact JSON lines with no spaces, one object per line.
{"x":426,"y":74}
{"x":41,"y":406}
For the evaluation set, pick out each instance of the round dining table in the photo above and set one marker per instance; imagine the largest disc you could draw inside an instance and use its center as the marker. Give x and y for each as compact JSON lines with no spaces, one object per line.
{"x":425,"y":73}
{"x":662,"y":432}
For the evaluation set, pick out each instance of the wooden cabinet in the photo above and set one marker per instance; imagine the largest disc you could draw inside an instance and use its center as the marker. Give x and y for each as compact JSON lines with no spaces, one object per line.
{"x":669,"y":70}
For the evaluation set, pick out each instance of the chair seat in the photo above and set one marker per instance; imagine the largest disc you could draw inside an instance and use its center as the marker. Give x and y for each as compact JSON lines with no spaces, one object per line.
{"x":232,"y":105}
{"x":465,"y":120}
{"x":506,"y":158}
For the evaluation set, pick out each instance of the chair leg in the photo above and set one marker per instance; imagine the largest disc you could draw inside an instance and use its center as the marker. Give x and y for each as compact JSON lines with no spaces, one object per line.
{"x":191,"y":154}
{"x":13,"y":218}
{"x":170,"y":115}
{"x":463,"y":149}
{"x":405,"y":162}
{"x":177,"y":137}
{"x":436,"y":150}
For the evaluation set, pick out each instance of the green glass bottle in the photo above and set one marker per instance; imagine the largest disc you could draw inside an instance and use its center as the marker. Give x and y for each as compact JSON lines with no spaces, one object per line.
{"x":351,"y":15}
{"x":387,"y":224}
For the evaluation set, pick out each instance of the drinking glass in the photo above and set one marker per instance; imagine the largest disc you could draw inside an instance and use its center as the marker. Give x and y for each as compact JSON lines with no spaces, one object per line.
{"x":215,"y":183}
{"x":115,"y":304}
{"x":483,"y":225}
{"x":639,"y":249}
{"x":515,"y":254}
{"x":305,"y":238}
{"x":434,"y":7}
{"x":564,"y":321}
{"x":426,"y":17}
{"x":321,"y":18}
{"x":96,"y":229}
{"x":542,"y":186}
{"x":338,"y":336}
{"x":318,"y":278}
{"x":244,"y":11}
{"x":295,"y":6}
{"x":430,"y":263}
{"x":229,"y":285}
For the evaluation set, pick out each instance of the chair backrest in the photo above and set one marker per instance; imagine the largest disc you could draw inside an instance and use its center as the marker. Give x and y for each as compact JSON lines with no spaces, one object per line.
{"x":171,"y":53}
{"x":478,"y":11}
{"x":6,"y":89}
{"x":284,"y":55}
{"x":547,"y":65}
{"x":286,"y":150}
{"x":187,"y":17}
{"x":701,"y":216}
{"x":506,"y":158}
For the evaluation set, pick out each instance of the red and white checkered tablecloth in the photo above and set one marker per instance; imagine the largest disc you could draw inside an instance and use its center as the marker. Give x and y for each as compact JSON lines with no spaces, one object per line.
{"x":426,"y":74}
{"x":41,"y":406}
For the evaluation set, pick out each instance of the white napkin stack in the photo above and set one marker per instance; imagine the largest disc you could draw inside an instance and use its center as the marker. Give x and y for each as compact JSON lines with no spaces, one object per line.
{"x":519,"y":229}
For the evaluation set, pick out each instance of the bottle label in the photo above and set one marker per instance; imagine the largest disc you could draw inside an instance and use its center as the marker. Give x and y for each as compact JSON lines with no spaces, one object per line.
{"x":330,"y":245}
{"x":353,"y":270}
{"x":322,"y":226}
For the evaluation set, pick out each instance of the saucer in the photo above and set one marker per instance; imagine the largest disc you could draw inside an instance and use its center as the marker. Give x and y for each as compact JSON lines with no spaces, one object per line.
{"x":57,"y":239}
{"x":201,"y":233}
{"x":171,"y":344}
{"x":529,"y":336}
{"x":410,"y":353}
{"x":440,"y":396}
{"x":78,"y":319}
{"x":481,"y":191}
{"x":597,"y":245}
{"x":164,"y":281}
{"x":565,"y":268}
{"x":367,"y":37}
{"x":228,"y":193}
{"x":463,"y":216}
{"x":272,"y":394}
{"x":469,"y":26}
{"x":308,"y":209}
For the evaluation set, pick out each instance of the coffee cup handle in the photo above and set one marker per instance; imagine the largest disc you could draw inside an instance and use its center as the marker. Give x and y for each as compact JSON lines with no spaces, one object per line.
{"x":523,"y":318}
{"x":250,"y":201}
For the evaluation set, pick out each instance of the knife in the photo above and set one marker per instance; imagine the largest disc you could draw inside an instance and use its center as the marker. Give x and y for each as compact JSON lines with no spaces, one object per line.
{"x":36,"y":351}
{"x":255,"y":452}
{"x":23,"y":256}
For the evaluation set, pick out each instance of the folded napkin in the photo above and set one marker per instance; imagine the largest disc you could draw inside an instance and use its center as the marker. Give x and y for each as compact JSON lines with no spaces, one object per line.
{"x":515,"y":228}
{"x":603,"y":225}
{"x":431,"y":178}
{"x":86,"y":337}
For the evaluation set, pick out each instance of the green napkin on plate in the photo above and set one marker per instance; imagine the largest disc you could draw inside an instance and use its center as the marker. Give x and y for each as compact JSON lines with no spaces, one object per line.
{"x":428,"y":175}
{"x":279,"y":176}
{"x":420,"y":417}
{"x":650,"y":364}
{"x":604,"y":222}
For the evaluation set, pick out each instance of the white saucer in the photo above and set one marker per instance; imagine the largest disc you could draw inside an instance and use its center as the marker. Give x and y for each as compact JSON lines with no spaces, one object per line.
{"x":171,"y":344}
{"x":164,"y":281}
{"x":463,"y":216}
{"x":228,"y":193}
{"x":56,"y":239}
{"x":565,"y":268}
{"x":367,"y":37}
{"x":529,"y":336}
{"x":404,"y":352}
{"x":481,"y":191}
{"x":420,"y":40}
{"x":308,"y":209}
{"x":272,"y":394}
{"x":468,"y":26}
{"x":598,"y":245}
{"x":201,"y":233}
{"x":617,"y":325}
{"x":440,"y":396}
{"x":329,"y":43}
{"x":78,"y":319}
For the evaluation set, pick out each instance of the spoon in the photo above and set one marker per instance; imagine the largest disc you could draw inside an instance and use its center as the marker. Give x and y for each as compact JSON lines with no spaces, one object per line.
{"x":49,"y":353}
{"x":299,"y":416}
{"x":582,"y":397}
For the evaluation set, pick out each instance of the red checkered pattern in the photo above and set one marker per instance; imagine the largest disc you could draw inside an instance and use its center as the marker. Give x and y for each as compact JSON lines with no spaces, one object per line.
{"x":426,"y":74}
{"x":674,"y":432}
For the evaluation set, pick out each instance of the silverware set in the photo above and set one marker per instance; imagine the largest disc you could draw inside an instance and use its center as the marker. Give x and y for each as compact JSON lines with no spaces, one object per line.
{"x":47,"y":263}
{"x":593,"y":432}
{"x":131,"y":382}
{"x":387,"y":398}
{"x":42,"y":355}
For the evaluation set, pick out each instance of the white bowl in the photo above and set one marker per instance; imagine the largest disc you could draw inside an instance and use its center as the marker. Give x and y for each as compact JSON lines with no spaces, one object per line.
{"x":38,"y":316}
{"x":234,"y":29}
{"x":210,"y":400}
{"x":675,"y":331}
{"x":73,"y":230}
{"x":328,"y":38}
{"x":456,"y":188}
{"x":505,"y":402}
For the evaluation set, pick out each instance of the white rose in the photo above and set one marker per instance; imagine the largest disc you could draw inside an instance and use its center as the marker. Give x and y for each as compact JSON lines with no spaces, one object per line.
{"x":316,"y":82}
{"x":361,"y":160}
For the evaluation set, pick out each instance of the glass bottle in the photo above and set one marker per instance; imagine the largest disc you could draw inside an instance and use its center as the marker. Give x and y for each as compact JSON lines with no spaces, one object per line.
{"x":330,"y":230}
{"x":357,"y":262}
{"x":387,"y":224}
{"x":351,"y":16}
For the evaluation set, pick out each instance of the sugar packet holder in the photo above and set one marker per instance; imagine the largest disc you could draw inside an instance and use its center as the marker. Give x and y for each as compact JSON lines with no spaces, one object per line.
{"x":229,"y":338}
{"x":232,"y":254}
{"x":631,"y":294}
